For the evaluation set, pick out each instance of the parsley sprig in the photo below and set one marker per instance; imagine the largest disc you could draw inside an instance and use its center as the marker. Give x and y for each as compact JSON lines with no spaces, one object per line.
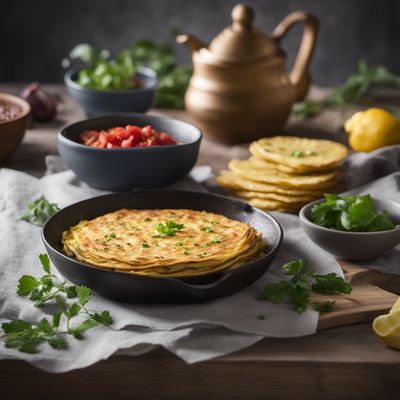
{"x":351,"y":91}
{"x":170,"y":228}
{"x":297,"y":290}
{"x":39,"y":211}
{"x":350,"y":213}
{"x":48,"y":289}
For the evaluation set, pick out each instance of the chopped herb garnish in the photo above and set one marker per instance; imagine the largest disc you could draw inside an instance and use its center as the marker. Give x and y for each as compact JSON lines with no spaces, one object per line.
{"x":26,"y":337}
{"x":350,"y":213}
{"x":112,"y":235}
{"x":216,"y":241}
{"x":297,"y":290}
{"x":185,"y":252}
{"x":147,"y":219}
{"x":178,"y":244}
{"x":207,"y":229}
{"x":39,"y":211}
{"x":170,"y":228}
{"x":300,"y":153}
{"x":145,"y":245}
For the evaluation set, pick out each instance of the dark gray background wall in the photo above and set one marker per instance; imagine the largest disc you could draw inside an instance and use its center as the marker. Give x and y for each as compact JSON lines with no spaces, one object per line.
{"x":35,"y":35}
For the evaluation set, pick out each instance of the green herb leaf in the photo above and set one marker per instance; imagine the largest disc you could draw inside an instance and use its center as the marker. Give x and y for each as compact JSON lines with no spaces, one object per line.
{"x":351,"y":91}
{"x":170,"y":228}
{"x":323,"y":307}
{"x":45,"y":261}
{"x":331,"y":284}
{"x":39,"y":211}
{"x":103,"y":318}
{"x":297,"y":290}
{"x":277,"y":292}
{"x":350,"y":213}
{"x":26,"y":337}
{"x":26,"y":285}
{"x":83,"y":293}
{"x":79,"y":329}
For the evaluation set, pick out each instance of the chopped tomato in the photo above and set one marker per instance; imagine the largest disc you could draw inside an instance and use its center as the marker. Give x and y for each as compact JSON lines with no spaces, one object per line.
{"x":89,"y":137}
{"x":128,"y":136}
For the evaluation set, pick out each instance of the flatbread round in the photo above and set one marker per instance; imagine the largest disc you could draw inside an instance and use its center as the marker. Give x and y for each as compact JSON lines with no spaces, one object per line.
{"x":230,"y":180}
{"x":263,"y":163}
{"x":317,"y":180}
{"x":300,"y":153}
{"x":287,"y":199}
{"x":269,"y":205}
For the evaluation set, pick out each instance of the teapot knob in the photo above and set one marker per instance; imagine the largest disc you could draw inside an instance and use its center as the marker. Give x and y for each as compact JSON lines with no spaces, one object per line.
{"x":242,"y":16}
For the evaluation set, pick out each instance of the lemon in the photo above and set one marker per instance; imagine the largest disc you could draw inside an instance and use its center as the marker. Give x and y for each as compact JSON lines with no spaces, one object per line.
{"x":371,"y":129}
{"x":387,"y":326}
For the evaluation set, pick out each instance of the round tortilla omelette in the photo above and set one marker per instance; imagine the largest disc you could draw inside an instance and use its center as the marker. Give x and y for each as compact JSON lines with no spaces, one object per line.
{"x":165,"y":242}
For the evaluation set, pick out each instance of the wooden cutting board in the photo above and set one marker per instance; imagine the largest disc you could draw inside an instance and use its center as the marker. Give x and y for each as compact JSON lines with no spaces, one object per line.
{"x":373,"y":294}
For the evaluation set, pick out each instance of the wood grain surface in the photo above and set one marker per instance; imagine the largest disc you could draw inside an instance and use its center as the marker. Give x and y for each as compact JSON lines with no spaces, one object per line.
{"x":348,"y":362}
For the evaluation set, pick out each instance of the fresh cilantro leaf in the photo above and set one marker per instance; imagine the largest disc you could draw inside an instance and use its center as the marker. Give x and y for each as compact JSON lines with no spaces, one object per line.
{"x":84,"y":294}
{"x":39,"y":211}
{"x":207,"y":229}
{"x":170,"y":228}
{"x":297,"y":290}
{"x":71,"y":292}
{"x":323,"y":307}
{"x":17,"y":325}
{"x":331,"y":284}
{"x":294,"y":267}
{"x":74,"y":310}
{"x":277,"y":292}
{"x":26,"y":285}
{"x":351,"y":91}
{"x":56,"y":319}
{"x":78,"y":330}
{"x":103,"y":318}
{"x":350,"y":213}
{"x":26,"y":337}
{"x":45,"y":261}
{"x":57,"y":343}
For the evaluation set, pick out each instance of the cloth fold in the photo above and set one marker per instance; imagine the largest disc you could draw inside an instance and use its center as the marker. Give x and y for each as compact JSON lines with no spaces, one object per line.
{"x":195,"y":332}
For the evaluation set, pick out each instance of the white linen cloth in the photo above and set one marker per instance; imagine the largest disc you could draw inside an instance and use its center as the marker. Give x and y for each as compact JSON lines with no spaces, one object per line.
{"x":194,"y":332}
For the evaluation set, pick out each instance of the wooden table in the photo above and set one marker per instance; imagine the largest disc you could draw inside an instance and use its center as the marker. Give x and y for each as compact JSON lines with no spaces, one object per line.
{"x":345,"y":363}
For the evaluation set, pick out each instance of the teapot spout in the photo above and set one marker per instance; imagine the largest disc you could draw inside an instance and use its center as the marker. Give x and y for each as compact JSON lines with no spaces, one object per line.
{"x":194,"y":43}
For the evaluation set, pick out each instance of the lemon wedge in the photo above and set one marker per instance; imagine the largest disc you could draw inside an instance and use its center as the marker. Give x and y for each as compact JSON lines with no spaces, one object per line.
{"x":387,"y":326}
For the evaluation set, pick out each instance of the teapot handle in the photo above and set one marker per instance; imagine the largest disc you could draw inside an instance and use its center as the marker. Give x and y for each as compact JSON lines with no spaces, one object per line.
{"x":299,"y":75}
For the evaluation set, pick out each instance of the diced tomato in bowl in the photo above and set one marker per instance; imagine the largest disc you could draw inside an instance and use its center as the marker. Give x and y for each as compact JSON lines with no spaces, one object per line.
{"x":125,"y":137}
{"x":105,"y":152}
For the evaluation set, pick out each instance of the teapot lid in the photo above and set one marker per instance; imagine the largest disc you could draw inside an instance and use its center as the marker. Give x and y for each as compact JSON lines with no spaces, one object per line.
{"x":242,"y":42}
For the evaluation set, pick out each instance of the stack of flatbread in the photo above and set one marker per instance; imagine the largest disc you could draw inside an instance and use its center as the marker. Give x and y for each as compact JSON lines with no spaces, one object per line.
{"x":284,"y":173}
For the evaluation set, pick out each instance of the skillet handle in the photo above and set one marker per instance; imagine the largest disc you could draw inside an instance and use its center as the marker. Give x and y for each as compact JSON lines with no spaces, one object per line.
{"x":201,"y":287}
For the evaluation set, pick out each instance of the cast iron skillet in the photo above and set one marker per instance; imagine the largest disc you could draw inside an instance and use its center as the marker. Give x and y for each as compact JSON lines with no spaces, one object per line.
{"x":129,"y":287}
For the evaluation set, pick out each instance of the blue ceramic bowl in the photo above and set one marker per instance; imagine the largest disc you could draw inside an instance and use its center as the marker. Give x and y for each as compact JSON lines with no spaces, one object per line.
{"x":97,"y":102}
{"x":130,"y":168}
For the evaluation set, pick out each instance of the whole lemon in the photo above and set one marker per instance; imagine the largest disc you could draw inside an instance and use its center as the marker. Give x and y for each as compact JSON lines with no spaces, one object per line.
{"x":371,"y":129}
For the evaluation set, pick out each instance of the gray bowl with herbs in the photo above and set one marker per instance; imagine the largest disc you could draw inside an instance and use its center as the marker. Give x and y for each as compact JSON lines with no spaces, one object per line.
{"x":351,"y":245}
{"x":101,"y":102}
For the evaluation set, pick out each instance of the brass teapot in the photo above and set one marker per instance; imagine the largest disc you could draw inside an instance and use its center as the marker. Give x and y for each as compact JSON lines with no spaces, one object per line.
{"x":240,"y":90}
